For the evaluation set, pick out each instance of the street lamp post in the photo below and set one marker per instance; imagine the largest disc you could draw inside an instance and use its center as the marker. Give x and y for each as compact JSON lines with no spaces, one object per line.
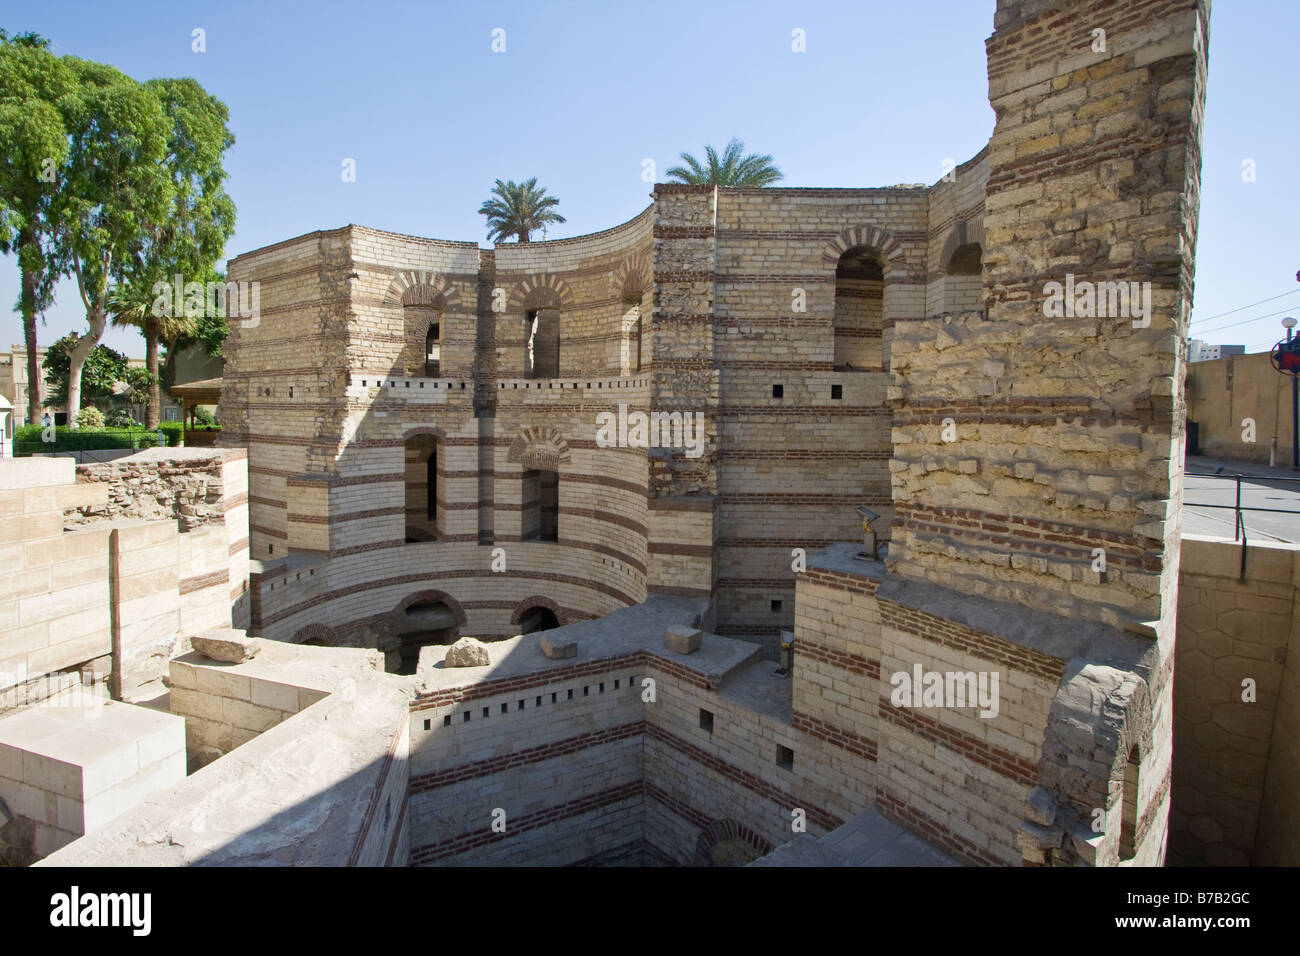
{"x":1289,"y":324}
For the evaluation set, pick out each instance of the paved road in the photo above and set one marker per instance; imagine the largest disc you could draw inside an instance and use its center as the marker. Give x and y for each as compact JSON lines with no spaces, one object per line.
{"x":1261,"y":490}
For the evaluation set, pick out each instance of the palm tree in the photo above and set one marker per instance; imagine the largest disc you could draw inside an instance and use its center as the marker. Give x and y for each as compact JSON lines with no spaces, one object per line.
{"x":518,"y":210}
{"x":734,"y":169}
{"x":133,"y":309}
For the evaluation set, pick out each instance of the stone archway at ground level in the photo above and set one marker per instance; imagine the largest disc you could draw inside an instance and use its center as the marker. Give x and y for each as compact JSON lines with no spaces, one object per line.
{"x":728,"y":843}
{"x":423,"y":619}
{"x":537,"y":613}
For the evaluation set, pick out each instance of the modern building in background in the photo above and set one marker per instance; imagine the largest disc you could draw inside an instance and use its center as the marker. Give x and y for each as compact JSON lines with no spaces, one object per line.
{"x":13,"y":379}
{"x":1199,"y":351}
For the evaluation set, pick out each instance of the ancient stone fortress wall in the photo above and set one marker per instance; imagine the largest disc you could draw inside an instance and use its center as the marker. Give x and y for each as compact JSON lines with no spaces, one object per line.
{"x":1026,"y":446}
{"x":324,"y":786}
{"x":636,"y":751}
{"x":105,"y":572}
{"x":764,"y":316}
{"x":106,"y":567}
{"x":1024,"y":441}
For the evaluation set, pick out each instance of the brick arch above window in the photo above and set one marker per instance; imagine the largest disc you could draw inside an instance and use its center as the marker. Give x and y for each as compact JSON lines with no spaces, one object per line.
{"x":720,"y":831}
{"x":632,"y":278}
{"x":540,"y":448}
{"x":890,"y":251}
{"x":415,"y":430}
{"x":545,"y":291}
{"x":422,"y":288}
{"x":528,"y":603}
{"x":432,"y":597}
{"x":963,"y":233}
{"x":316,"y":634}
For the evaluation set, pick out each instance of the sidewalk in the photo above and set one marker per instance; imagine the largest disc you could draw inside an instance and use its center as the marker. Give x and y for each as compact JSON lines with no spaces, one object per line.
{"x":1206,"y":465}
{"x":1270,"y":499}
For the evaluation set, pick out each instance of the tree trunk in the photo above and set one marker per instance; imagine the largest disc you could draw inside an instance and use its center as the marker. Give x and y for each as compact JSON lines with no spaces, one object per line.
{"x":34,"y":383}
{"x":78,"y":354}
{"x":153,"y":411}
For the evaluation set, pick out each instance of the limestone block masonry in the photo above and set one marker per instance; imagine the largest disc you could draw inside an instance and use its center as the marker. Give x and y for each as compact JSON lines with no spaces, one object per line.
{"x":674,"y":423}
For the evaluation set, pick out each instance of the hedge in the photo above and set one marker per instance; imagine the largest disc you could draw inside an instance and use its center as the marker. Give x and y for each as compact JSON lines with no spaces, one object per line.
{"x":27,"y":438}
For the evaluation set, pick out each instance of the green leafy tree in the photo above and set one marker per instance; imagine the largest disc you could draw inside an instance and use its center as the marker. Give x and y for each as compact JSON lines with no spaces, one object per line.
{"x":140,"y":384}
{"x":36,"y":90}
{"x":114,"y":185}
{"x":136,"y":311}
{"x":519,"y":209}
{"x":189,"y":239}
{"x":733,"y":169}
{"x":103,"y":369}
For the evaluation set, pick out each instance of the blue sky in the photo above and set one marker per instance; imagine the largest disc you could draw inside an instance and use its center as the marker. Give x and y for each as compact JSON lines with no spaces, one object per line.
{"x":585,"y":91}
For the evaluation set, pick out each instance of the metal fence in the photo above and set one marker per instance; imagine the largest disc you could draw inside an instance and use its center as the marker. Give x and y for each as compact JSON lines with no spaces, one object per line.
{"x":1238,"y":509}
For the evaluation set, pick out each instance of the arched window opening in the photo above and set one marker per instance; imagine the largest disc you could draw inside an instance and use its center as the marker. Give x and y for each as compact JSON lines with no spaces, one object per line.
{"x":630,"y":350}
{"x":421,"y":354}
{"x":433,"y":351}
{"x":541,"y":506}
{"x":542,"y":343}
{"x":421,"y":488}
{"x":859,"y":311}
{"x":963,"y":284}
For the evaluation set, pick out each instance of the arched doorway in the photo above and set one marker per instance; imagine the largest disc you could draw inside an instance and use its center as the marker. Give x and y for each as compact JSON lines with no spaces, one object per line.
{"x":421,"y":488}
{"x":421,"y":624}
{"x":859,"y":311}
{"x":538,"y":619}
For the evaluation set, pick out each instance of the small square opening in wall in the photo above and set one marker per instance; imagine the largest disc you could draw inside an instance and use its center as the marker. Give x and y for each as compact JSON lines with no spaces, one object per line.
{"x":586,"y":691}
{"x":776,"y":607}
{"x":706,"y":720}
{"x":428,"y":725}
{"x":837,"y":392}
{"x":784,"y":757}
{"x":505,"y":707}
{"x":570,"y":693}
{"x":602,"y":687}
{"x":519,"y":706}
{"x":446,"y":721}
{"x":553,"y":698}
{"x":466,"y":717}
{"x":616,"y":684}
{"x":487,"y":711}
{"x":778,"y":391}
{"x":538,"y":702}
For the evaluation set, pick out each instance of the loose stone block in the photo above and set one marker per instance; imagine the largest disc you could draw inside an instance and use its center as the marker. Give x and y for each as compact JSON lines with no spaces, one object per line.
{"x":683,"y":640}
{"x":224,"y":644}
{"x":557,"y":650}
{"x":467,"y":652}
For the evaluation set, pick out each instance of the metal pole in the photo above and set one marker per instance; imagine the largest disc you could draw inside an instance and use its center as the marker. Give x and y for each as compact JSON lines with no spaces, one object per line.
{"x":1295,"y":416}
{"x":1238,"y":528}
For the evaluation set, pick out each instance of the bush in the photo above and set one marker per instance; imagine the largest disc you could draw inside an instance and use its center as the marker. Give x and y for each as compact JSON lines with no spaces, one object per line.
{"x":120,"y":418}
{"x":27,"y":438}
{"x":90,"y":417}
{"x":204,"y":417}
